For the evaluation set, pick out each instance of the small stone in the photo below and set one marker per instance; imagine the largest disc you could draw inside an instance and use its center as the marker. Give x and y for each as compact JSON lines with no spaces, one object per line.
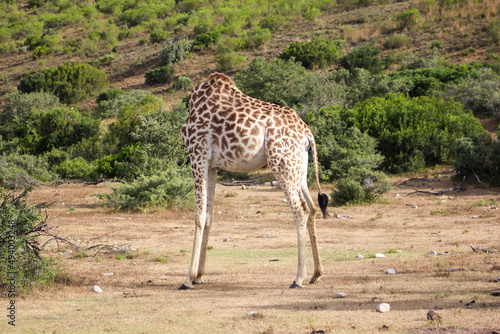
{"x":390,"y":271}
{"x":495,"y":293}
{"x":497,"y":279}
{"x":341,"y":295}
{"x":379,"y":255}
{"x":280,"y":213}
{"x":433,"y":315}
{"x":383,"y":308}
{"x":219,"y":212}
{"x":275,"y":184}
{"x":225,"y":240}
{"x":474,"y":217}
{"x":267,"y":183}
{"x":243,"y":187}
{"x":96,"y":288}
{"x":453,"y":269}
{"x":285,"y":201}
{"x":397,"y":195}
{"x":108,"y":274}
{"x":414,"y":207}
{"x":433,"y":252}
{"x":359,"y":256}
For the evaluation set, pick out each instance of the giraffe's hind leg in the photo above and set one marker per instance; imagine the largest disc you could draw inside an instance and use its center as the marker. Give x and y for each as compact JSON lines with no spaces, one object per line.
{"x":311,"y":227}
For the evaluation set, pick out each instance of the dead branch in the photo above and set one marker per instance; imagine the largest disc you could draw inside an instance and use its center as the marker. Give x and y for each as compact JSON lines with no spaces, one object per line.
{"x":479,"y":249}
{"x":418,"y":179}
{"x":462,"y":187}
{"x":85,"y":183}
{"x":240,"y":183}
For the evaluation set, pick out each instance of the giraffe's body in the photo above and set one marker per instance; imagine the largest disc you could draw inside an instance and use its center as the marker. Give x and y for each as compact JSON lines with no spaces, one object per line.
{"x":229,"y":130}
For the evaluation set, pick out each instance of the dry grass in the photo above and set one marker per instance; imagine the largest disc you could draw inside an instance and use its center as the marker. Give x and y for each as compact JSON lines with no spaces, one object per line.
{"x":141,"y":296}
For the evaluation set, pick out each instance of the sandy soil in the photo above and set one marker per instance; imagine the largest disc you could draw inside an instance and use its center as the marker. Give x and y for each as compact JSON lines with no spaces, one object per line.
{"x":247,"y":277}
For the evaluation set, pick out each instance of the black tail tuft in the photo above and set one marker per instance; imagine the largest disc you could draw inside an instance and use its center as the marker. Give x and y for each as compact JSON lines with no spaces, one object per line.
{"x":323,"y":202}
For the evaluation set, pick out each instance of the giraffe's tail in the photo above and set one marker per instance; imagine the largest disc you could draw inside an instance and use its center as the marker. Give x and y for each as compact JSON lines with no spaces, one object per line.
{"x":322,"y":198}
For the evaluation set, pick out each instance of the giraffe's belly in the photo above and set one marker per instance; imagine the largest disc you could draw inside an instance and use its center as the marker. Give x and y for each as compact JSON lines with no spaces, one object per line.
{"x":239,"y":160}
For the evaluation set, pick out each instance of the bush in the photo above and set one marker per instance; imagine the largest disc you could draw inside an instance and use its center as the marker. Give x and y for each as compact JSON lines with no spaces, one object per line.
{"x":182,"y":83}
{"x":475,"y":160}
{"x":76,"y":168}
{"x":414,"y":132}
{"x":396,"y":41}
{"x":494,"y":30}
{"x":18,"y":106}
{"x":319,"y":52}
{"x":40,"y":52}
{"x":174,"y":52}
{"x":70,"y":82}
{"x":160,"y":75}
{"x":206,"y":39}
{"x":21,"y":171}
{"x":480,"y":94}
{"x":272,"y":22}
{"x":341,"y":150}
{"x":408,"y":19}
{"x":366,"y":57}
{"x":158,"y":36}
{"x":229,"y":61}
{"x":136,"y":16}
{"x":111,"y":102}
{"x":20,"y":226}
{"x":170,"y":188}
{"x":255,"y":39}
{"x":426,"y":81}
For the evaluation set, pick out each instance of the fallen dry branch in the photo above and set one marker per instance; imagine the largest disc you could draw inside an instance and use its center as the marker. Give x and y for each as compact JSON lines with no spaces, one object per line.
{"x":479,"y":249}
{"x":85,"y":183}
{"x":240,"y":183}
{"x":462,"y":187}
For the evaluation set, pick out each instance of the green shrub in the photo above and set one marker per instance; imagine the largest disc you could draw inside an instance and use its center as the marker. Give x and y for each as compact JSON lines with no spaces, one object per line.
{"x":366,"y":57}
{"x":494,"y":30}
{"x":174,"y":52}
{"x":22,"y":267}
{"x":70,"y":82}
{"x":18,"y":106}
{"x":414,"y":132}
{"x":425,"y":81}
{"x":136,"y":16}
{"x":477,"y":161}
{"x":40,"y":52}
{"x":408,"y":19}
{"x":396,"y":41}
{"x":21,"y":171}
{"x":252,"y":40}
{"x":272,"y":22}
{"x":480,"y":94}
{"x":341,"y":150}
{"x":76,"y":168}
{"x":182,"y":83}
{"x":360,"y":187}
{"x":229,"y":61}
{"x":158,"y":36}
{"x":319,"y":52}
{"x":170,"y":188}
{"x":113,"y":101}
{"x":160,"y":75}
{"x":206,"y":39}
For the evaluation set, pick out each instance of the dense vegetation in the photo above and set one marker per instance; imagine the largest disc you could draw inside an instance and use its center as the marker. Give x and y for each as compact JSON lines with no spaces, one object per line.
{"x":374,"y":106}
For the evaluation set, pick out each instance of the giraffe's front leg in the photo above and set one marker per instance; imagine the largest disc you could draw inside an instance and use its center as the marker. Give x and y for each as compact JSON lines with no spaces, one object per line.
{"x":200,"y":220}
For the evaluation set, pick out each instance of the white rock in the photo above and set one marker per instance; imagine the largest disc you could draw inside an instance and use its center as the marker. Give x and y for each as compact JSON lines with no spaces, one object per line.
{"x":341,"y":295}
{"x":96,"y":288}
{"x":379,"y":255}
{"x":359,"y":256}
{"x":497,"y":279}
{"x":390,"y":271}
{"x":267,"y":183}
{"x":396,"y":195}
{"x":383,"y":307}
{"x":432,"y":252}
{"x":225,"y":240}
{"x":414,"y":207}
{"x":108,"y":274}
{"x":243,"y":187}
{"x":275,"y":184}
{"x":474,"y":217}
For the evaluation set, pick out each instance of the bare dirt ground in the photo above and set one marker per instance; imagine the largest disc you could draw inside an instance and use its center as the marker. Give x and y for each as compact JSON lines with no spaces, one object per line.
{"x":247,"y":278}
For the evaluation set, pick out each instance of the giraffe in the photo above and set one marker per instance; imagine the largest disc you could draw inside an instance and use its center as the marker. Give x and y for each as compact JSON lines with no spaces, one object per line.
{"x":229,"y":130}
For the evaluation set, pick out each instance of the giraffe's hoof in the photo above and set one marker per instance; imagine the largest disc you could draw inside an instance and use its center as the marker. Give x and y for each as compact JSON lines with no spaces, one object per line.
{"x":185,"y":287}
{"x":315,"y":280}
{"x":198,"y":281}
{"x":295,"y":285}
